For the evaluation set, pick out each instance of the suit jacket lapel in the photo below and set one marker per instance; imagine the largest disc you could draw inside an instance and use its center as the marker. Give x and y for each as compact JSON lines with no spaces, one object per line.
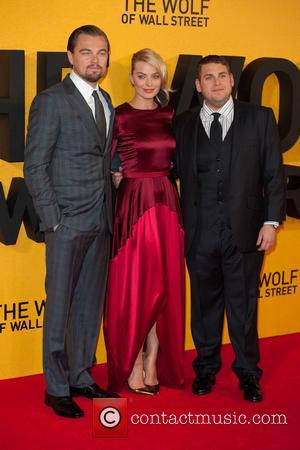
{"x":79,"y":104}
{"x":193,"y":132}
{"x":238,"y":125}
{"x":111,"y":121}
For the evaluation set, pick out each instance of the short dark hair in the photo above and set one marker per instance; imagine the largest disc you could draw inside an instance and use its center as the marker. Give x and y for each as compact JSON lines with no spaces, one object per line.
{"x":212,"y":59}
{"x":91,"y":30}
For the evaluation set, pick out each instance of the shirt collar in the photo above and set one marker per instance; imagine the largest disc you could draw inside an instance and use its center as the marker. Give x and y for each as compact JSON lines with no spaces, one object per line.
{"x":224,"y":111}
{"x":84,"y":88}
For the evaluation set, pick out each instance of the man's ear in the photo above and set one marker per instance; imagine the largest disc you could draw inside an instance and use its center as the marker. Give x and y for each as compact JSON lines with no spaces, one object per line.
{"x":198,"y":85}
{"x":70,"y":57}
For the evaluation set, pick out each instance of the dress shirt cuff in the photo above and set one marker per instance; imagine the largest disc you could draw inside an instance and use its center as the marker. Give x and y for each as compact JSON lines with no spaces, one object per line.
{"x":272,"y":222}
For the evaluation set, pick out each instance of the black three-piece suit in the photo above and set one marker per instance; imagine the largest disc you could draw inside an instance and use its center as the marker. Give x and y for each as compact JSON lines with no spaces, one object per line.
{"x":227,"y":193}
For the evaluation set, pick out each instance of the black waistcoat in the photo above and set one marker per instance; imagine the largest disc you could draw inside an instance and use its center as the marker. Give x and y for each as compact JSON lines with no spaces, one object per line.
{"x":213,"y":172}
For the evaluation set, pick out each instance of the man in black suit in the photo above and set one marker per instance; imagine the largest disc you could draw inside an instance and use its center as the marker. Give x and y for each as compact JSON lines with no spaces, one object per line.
{"x":67,"y":171}
{"x":232,"y":194}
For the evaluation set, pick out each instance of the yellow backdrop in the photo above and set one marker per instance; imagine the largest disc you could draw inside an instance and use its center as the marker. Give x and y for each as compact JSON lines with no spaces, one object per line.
{"x":252,"y":29}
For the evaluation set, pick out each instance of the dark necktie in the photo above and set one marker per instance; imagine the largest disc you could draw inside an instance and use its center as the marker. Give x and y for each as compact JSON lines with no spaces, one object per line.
{"x":100,"y":118}
{"x":216,"y":130}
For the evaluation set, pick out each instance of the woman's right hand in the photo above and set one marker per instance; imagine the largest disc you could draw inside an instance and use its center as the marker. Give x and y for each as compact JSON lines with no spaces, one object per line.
{"x":116,"y":178}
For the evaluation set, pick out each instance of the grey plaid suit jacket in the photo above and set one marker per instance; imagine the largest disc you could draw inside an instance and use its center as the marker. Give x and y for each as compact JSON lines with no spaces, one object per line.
{"x":66,"y":170}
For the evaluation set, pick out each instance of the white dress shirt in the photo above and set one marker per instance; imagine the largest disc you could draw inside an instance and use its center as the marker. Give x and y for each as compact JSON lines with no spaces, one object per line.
{"x":86,"y":90}
{"x":225,"y":119}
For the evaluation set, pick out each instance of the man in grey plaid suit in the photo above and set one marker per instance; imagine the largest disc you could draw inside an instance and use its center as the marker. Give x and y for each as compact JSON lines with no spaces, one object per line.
{"x":67,"y":171}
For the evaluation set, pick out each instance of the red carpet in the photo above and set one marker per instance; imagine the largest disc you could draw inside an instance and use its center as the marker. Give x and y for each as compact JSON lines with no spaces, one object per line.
{"x":25,"y":423}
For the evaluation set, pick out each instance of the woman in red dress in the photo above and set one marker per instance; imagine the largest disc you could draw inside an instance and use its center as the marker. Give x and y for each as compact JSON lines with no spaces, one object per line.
{"x":145,"y":307}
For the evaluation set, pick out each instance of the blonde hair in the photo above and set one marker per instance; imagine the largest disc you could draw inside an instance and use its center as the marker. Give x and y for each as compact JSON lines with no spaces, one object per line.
{"x":154,"y":59}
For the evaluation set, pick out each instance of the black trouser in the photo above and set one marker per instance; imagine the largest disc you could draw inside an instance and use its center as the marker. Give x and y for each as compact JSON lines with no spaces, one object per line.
{"x":222,"y":278}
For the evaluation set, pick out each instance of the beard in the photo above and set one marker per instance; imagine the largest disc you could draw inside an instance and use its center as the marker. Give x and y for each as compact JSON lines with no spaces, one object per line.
{"x":93,"y":74}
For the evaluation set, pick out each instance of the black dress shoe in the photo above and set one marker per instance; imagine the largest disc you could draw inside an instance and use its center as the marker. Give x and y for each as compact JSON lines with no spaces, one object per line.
{"x":93,"y":391}
{"x":63,"y":406}
{"x":203,"y":383}
{"x":252,"y":390}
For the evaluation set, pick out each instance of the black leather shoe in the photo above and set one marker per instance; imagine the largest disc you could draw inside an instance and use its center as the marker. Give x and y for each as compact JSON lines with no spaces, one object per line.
{"x":252,"y":390}
{"x":63,"y":406}
{"x":93,"y":391}
{"x":203,"y":383}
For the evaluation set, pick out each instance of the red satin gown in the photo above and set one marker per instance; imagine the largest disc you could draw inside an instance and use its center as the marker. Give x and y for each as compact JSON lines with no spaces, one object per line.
{"x":146,"y":283}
